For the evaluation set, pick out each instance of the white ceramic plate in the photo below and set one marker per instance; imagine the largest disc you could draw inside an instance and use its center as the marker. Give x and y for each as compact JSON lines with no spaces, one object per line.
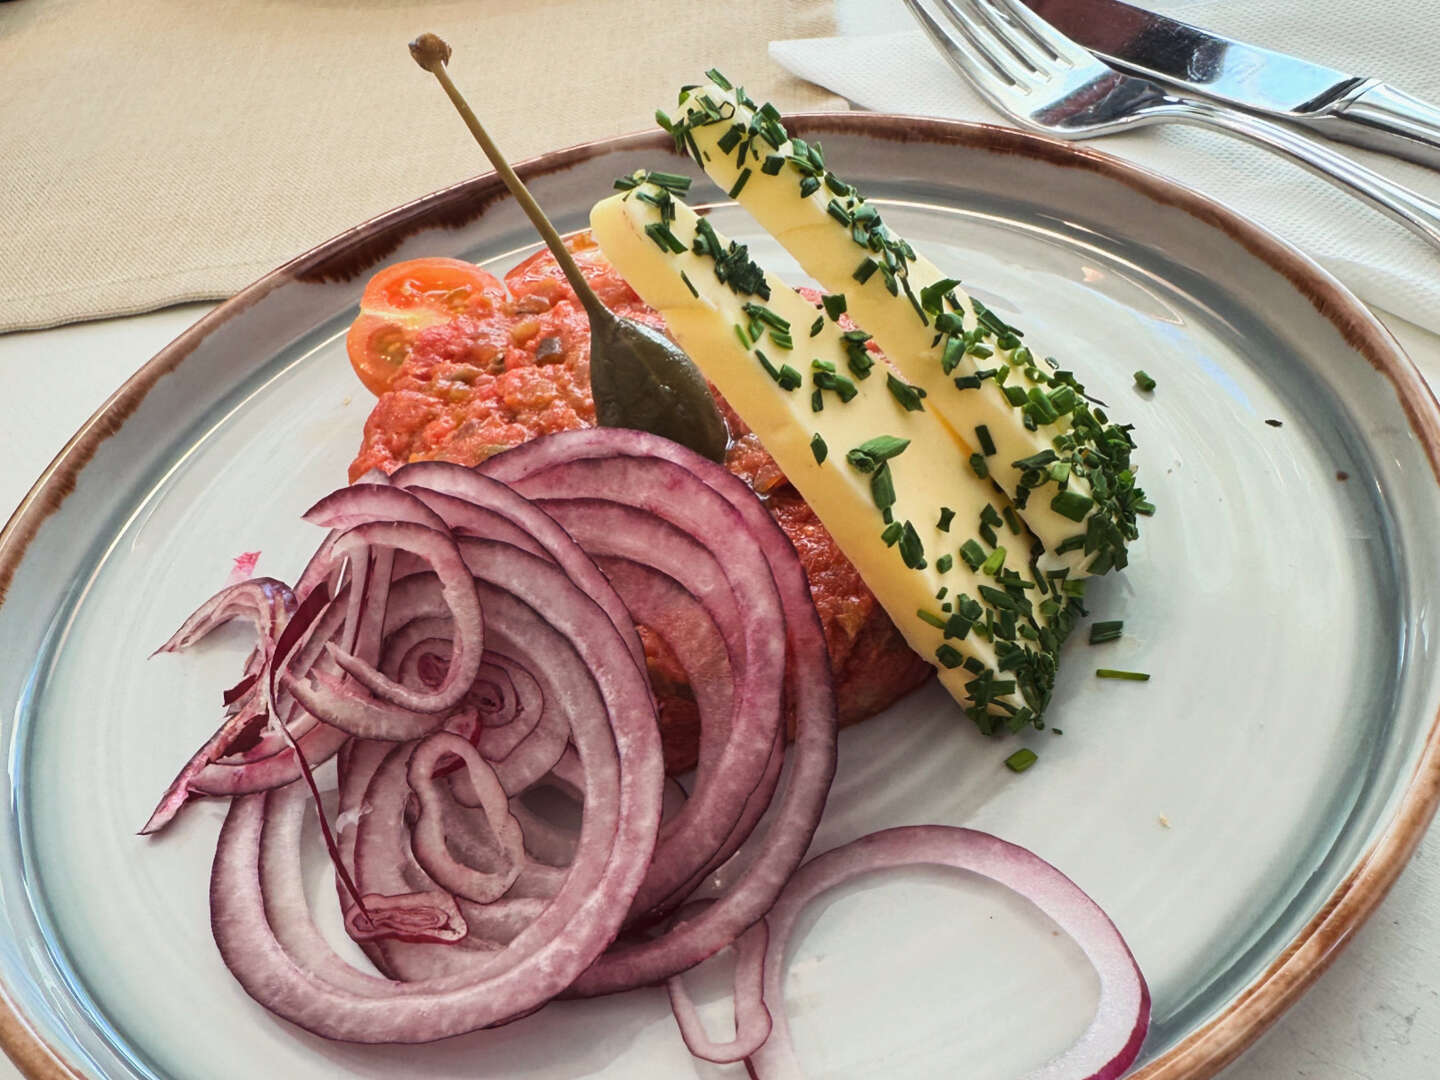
{"x":1237,"y":816}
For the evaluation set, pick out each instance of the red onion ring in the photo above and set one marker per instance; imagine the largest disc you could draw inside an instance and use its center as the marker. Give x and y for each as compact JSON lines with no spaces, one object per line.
{"x":620,"y":750}
{"x":532,"y":468}
{"x":1109,"y":1044}
{"x":427,"y":836}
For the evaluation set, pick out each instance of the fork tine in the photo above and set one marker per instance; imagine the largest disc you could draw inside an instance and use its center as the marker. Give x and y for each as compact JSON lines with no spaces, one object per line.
{"x":996,"y":50}
{"x":1036,"y":57}
{"x":1044,"y":34}
{"x":991,"y":79}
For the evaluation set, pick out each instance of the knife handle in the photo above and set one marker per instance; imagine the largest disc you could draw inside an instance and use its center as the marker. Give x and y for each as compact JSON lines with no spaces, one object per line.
{"x":1379,"y":117}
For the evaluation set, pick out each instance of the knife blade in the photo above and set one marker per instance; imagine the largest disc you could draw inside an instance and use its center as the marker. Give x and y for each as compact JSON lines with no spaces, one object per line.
{"x":1349,"y":108}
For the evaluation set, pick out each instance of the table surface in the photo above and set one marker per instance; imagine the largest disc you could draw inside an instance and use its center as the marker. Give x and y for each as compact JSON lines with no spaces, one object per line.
{"x":1375,"y":1015}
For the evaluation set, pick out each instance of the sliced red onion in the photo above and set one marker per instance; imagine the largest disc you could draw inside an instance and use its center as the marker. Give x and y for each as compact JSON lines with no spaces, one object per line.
{"x":619,"y":746}
{"x":652,"y":557}
{"x":1109,"y":1044}
{"x":531,"y":468}
{"x":752,"y":1018}
{"x":479,"y":490}
{"x":263,"y":601}
{"x":401,"y":713}
{"x":427,"y":837}
{"x":362,"y":503}
{"x":431,"y":916}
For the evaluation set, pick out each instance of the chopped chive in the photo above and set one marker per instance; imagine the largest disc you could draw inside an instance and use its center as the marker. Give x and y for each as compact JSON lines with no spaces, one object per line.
{"x":950,"y":360}
{"x":987,"y":444}
{"x":789,"y":378}
{"x":944,"y":563}
{"x":817,"y":401}
{"x":864,"y":271}
{"x":688,"y":284}
{"x":993,"y":562}
{"x":740,"y":182}
{"x":834,"y":304}
{"x":892,"y":533}
{"x":884,"y":447}
{"x":817,"y":325}
{"x":669,"y":181}
{"x":1130,"y":676}
{"x":664,"y":239}
{"x":882,"y":487}
{"x":950,"y":322}
{"x":828,"y":380}
{"x":1102,"y":632}
{"x":931,"y":295}
{"x":1072,"y":504}
{"x":1144,"y":381}
{"x":978,"y":466}
{"x":808,"y":186}
{"x":931,"y":618}
{"x":730,"y":139}
{"x":1034,"y":461}
{"x":1016,"y":396}
{"x":835,"y":184}
{"x":1145,"y":508}
{"x":1011,"y":522}
{"x":908,"y":396}
{"x":1274,"y":423}
{"x":836,"y":209}
{"x":772,"y":165}
{"x":973,"y":554}
{"x":818,"y":448}
{"x":719,"y":80}
{"x":946,"y":517}
{"x":911,"y":550}
{"x":740,"y":333}
{"x":949,"y":656}
{"x":1070,"y":543}
{"x":1021,"y":759}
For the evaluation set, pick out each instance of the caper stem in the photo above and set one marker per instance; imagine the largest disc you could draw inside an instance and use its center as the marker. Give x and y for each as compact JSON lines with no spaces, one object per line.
{"x":432,"y":60}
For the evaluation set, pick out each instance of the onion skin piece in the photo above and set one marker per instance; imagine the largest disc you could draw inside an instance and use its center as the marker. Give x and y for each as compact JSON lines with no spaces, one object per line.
{"x":1109,"y":1045}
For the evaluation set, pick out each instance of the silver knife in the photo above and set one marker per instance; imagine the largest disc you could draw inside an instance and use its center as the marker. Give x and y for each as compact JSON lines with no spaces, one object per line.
{"x":1349,"y":108}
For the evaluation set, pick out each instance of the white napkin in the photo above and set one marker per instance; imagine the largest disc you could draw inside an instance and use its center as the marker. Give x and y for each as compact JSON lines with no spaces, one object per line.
{"x":1382,"y":262}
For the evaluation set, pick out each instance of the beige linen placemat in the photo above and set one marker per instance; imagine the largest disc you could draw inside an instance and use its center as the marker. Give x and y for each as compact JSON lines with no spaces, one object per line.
{"x":156,"y":151}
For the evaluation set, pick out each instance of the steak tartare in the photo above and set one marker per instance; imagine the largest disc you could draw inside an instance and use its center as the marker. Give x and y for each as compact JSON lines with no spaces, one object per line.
{"x":511,"y":361}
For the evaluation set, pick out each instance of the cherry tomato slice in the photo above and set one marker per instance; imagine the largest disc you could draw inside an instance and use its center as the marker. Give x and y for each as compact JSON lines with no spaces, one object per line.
{"x":402,"y":300}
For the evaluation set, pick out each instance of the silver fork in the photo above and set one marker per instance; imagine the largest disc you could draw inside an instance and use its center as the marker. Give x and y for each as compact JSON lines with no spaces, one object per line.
{"x":1048,"y":83}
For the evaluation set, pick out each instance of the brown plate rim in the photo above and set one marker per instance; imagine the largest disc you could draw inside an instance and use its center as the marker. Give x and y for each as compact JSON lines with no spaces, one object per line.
{"x":1210,"y":1047}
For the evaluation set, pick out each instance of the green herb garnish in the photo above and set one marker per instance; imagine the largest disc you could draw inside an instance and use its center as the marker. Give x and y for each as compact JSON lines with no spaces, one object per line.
{"x":1021,"y":759}
{"x":908,"y":396}
{"x":1130,"y":676}
{"x":1102,"y":632}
